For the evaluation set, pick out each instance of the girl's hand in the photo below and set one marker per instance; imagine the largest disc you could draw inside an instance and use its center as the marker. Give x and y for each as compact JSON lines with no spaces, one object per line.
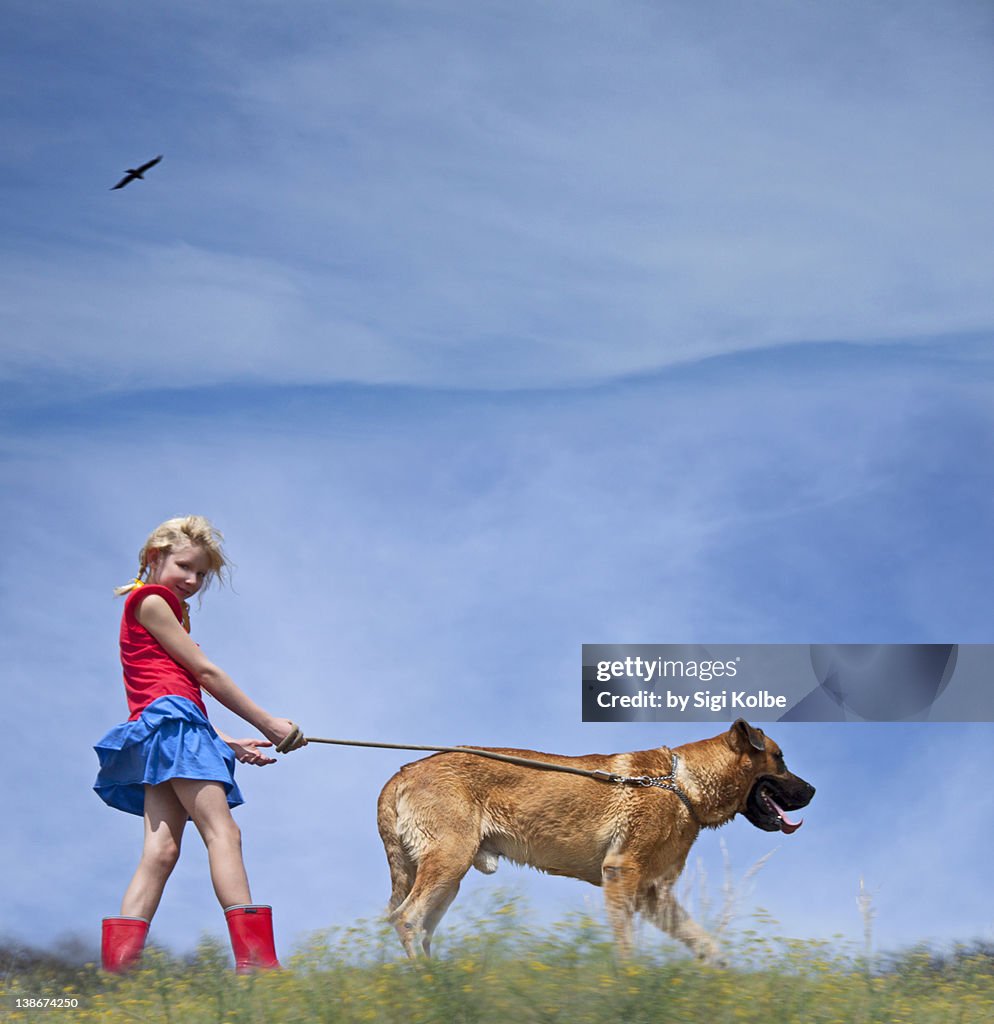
{"x":279,"y":729}
{"x":247,"y":751}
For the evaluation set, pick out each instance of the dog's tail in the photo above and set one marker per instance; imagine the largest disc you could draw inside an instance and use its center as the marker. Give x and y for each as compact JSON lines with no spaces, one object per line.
{"x":403,"y":868}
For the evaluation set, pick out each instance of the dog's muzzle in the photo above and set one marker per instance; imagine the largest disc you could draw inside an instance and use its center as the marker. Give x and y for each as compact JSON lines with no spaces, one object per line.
{"x":771,"y":799}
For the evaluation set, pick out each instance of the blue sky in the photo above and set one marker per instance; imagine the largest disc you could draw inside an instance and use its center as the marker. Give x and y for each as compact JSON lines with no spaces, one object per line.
{"x":484,"y":331}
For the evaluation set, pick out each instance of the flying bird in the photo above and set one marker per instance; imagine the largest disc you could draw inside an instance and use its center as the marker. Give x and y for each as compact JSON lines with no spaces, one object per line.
{"x":136,"y":172}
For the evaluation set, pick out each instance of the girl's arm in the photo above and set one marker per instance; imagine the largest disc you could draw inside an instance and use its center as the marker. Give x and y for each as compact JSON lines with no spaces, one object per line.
{"x":157,"y":617}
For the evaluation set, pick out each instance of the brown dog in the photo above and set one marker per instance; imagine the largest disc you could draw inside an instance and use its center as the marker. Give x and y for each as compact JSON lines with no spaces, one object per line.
{"x":446,"y":813}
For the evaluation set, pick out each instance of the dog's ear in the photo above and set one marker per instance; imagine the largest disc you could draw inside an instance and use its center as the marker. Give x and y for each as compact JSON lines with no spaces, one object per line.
{"x":742,"y":736}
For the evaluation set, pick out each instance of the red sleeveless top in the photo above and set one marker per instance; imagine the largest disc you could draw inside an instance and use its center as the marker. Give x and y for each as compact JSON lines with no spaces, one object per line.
{"x":149,"y":672}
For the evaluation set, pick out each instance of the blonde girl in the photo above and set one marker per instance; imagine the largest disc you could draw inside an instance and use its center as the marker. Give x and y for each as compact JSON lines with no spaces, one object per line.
{"x":167,"y":763}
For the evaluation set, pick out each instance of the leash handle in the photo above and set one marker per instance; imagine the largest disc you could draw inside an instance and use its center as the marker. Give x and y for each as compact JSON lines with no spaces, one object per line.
{"x":293,"y":740}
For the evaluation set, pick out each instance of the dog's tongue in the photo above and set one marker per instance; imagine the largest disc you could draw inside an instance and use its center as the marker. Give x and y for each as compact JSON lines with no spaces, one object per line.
{"x":786,"y":825}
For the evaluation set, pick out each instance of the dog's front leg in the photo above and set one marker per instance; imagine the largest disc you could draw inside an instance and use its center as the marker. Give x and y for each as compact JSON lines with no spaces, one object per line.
{"x":667,"y":914}
{"x":620,"y":878}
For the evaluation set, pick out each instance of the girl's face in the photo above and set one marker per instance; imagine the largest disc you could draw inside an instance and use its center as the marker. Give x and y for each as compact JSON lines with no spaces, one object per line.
{"x":182,"y":570}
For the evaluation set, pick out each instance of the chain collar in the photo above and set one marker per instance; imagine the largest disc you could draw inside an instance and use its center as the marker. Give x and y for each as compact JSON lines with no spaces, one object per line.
{"x":667,"y":782}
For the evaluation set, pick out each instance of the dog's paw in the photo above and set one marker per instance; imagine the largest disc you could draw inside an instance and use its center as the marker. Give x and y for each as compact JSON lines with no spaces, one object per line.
{"x":713,"y":959}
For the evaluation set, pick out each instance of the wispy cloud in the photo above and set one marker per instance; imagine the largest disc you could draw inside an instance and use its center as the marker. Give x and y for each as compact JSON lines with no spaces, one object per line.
{"x":449,"y":197}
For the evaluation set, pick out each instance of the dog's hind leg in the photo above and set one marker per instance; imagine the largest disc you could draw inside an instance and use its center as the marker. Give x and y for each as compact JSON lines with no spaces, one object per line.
{"x":439,"y":873}
{"x":403,"y":871}
{"x":403,"y":868}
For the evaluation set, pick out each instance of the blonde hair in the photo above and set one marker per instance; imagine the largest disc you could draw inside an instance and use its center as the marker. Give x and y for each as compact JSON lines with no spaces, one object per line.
{"x":174,"y":533}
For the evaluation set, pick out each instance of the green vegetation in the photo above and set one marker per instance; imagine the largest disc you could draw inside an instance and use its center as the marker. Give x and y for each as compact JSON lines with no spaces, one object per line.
{"x":495,"y":969}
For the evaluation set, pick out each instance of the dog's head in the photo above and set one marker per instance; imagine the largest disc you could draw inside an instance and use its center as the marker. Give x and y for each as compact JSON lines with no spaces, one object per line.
{"x":774,"y":790}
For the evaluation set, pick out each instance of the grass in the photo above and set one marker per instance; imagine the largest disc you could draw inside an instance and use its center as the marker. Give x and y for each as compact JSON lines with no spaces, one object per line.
{"x":495,"y":968}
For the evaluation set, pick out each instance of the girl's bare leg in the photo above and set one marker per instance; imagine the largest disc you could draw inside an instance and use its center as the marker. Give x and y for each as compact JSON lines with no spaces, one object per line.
{"x":207,"y":805}
{"x":165,"y":819}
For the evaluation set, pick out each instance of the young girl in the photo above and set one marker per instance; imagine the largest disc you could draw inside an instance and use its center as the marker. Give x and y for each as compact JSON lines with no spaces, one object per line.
{"x":167,"y":762}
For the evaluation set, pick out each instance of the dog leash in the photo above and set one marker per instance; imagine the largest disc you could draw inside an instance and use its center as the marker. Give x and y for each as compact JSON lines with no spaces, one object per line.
{"x":295,"y":739}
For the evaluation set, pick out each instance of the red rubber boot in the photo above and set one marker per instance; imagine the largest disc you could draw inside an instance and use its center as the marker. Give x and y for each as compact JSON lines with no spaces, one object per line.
{"x":122,"y":942}
{"x":251,"y":931}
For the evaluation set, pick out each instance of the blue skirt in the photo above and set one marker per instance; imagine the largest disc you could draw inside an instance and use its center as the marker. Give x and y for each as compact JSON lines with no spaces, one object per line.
{"x":172,"y":739}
